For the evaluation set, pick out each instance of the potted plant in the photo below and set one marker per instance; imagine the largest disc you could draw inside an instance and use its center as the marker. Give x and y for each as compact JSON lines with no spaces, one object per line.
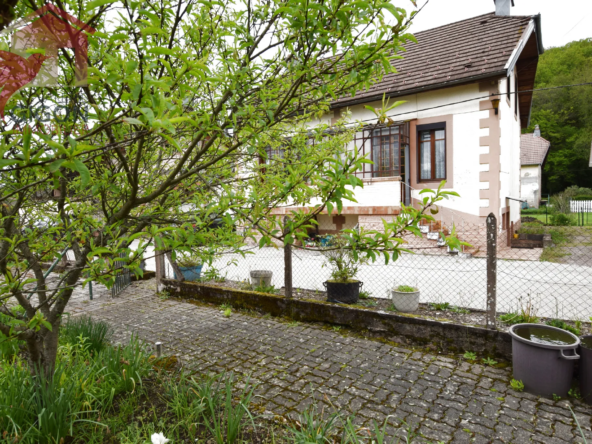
{"x":344,"y":261}
{"x":190,"y":265}
{"x":405,"y":298}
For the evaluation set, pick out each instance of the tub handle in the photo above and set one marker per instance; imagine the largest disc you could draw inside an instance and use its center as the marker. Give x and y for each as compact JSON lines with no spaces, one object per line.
{"x":568,"y":357}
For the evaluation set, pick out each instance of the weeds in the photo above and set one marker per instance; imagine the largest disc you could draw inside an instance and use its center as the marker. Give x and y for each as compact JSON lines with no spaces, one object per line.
{"x":313,"y":428}
{"x":440,"y":306}
{"x":527,"y":315}
{"x":517,"y":385}
{"x":470,"y":356}
{"x":364,"y":294}
{"x":558,"y":323}
{"x":226,"y":424}
{"x":489,"y":361}
{"x":262,"y":288}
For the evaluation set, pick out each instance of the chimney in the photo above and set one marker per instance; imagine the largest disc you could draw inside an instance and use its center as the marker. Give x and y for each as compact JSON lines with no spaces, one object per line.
{"x":502,"y":7}
{"x":537,"y":131}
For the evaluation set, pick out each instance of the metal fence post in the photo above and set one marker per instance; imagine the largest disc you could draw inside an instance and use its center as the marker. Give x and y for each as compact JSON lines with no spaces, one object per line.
{"x":491,"y":271}
{"x":159,"y":262}
{"x":287,"y":267}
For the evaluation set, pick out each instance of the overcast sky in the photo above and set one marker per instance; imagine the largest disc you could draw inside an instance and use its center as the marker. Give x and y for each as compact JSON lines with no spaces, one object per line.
{"x":562,"y":21}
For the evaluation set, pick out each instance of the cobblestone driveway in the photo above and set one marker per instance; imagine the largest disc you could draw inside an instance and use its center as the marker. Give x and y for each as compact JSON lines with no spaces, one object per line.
{"x":443,"y":398}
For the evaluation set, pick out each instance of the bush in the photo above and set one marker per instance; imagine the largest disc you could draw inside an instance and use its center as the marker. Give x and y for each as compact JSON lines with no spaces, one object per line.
{"x":582,"y":197}
{"x":561,"y":220}
{"x":95,"y":333}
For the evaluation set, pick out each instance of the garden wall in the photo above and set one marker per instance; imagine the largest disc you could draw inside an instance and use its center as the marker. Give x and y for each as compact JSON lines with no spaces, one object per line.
{"x":402,"y":329}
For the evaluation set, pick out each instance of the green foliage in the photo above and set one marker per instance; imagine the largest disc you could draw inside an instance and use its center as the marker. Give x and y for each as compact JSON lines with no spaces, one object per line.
{"x":364,"y":294}
{"x":556,"y":397}
{"x":440,"y":306}
{"x":470,"y":356}
{"x":227,"y":313}
{"x":561,"y":220}
{"x":489,"y":361}
{"x":558,"y":323}
{"x":565,"y":115}
{"x":41,"y":409}
{"x":262,"y":288}
{"x":406,"y":289}
{"x":226,"y":424}
{"x":315,"y":427}
{"x":517,"y":385}
{"x":95,"y":334}
{"x":526,"y":315}
{"x":198,"y":123}
{"x":343,"y":258}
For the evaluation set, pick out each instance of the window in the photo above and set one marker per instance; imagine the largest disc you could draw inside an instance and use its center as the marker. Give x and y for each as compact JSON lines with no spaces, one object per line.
{"x":432,"y":152}
{"x":385,"y":152}
{"x":508,"y":85}
{"x":273,"y":154}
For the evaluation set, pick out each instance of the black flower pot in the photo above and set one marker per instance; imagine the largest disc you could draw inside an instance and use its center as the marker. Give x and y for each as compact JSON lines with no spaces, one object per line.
{"x":344,"y":293}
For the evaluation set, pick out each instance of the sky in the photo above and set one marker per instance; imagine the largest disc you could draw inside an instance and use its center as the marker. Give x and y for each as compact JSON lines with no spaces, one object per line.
{"x":561,"y":21}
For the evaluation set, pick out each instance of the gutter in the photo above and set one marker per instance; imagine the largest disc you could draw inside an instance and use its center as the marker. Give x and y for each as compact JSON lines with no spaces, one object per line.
{"x":378,"y":96}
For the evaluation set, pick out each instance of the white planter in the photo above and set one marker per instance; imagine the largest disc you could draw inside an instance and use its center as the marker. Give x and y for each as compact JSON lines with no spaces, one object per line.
{"x":433,"y":235}
{"x":261,"y":278}
{"x":405,"y":301}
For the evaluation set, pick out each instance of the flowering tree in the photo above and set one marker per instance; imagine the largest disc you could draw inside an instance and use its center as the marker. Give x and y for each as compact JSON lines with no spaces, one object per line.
{"x":174,"y":129}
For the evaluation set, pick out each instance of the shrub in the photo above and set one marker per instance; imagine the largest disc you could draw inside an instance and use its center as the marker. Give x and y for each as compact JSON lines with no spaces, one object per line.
{"x":561,"y":220}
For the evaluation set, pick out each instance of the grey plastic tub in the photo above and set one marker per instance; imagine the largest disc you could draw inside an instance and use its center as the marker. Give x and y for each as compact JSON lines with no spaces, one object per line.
{"x":585,"y":375}
{"x":543,"y":358}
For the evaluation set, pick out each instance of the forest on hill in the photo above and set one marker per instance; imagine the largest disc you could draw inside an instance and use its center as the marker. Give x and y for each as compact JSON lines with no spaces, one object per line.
{"x":565,"y":114}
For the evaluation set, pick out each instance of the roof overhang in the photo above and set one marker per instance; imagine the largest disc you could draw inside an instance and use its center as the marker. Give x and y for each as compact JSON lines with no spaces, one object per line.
{"x":407,"y":92}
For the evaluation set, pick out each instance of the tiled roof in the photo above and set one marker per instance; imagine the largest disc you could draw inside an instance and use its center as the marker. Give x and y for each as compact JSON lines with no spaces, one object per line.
{"x":533,"y":149}
{"x":457,"y":52}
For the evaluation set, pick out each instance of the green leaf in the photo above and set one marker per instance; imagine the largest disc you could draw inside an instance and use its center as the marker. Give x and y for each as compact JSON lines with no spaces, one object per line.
{"x":83,"y":170}
{"x":161,"y":51}
{"x":46,"y":324}
{"x":96,"y":3}
{"x":5,"y":162}
{"x":133,"y":121}
{"x":54,"y":166}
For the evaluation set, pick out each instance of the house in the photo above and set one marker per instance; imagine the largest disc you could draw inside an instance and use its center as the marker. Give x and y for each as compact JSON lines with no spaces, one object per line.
{"x":533,"y":153}
{"x":461,"y":122}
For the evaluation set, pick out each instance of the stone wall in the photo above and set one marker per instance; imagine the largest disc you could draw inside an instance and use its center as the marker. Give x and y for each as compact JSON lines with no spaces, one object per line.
{"x":398,"y":328}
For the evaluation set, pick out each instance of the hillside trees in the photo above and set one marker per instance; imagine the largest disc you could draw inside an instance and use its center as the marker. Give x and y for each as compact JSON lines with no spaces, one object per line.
{"x":565,"y":114}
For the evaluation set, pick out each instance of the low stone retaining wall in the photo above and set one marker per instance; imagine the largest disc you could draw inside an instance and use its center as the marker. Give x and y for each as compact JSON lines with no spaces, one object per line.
{"x":402,"y":329}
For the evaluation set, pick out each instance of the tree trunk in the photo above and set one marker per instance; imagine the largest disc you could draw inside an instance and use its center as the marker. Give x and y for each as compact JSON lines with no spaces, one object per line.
{"x":43,"y":352}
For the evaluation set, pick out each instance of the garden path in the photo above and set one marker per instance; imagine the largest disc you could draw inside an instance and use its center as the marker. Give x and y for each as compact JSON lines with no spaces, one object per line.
{"x":443,"y":398}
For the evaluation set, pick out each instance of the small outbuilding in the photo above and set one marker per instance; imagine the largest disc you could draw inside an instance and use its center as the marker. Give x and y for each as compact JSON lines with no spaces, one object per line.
{"x":533,"y":153}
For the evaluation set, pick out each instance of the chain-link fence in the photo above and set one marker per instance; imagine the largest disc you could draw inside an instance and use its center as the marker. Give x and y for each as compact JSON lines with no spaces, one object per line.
{"x":540,"y":271}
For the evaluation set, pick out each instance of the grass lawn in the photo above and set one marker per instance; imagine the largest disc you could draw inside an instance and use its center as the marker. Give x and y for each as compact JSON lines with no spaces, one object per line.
{"x":547,"y":218}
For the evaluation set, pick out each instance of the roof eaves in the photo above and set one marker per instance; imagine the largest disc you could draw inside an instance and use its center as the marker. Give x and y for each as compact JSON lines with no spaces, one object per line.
{"x":406,"y":92}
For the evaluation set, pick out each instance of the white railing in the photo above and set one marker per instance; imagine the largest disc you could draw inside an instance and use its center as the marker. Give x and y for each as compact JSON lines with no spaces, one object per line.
{"x":581,"y":206}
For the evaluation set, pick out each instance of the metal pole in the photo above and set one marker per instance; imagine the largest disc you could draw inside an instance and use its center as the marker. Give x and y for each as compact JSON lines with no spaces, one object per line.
{"x":287,"y":265}
{"x":49,"y":270}
{"x":158,"y":349}
{"x":491,"y":271}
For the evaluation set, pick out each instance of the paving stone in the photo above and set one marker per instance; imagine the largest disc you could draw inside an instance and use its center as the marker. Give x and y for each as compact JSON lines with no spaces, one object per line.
{"x":445,"y":399}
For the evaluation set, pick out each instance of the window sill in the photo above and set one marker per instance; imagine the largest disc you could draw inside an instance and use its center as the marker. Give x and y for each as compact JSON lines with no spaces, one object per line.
{"x":382,"y":179}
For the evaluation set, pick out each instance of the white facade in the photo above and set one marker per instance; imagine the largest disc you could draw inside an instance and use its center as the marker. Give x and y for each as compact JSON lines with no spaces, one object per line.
{"x":478,"y":143}
{"x":530,"y":180}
